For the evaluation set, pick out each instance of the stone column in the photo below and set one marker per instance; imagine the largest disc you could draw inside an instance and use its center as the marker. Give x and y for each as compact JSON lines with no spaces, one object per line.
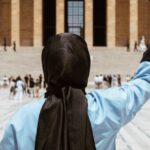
{"x":89,"y":22}
{"x":111,"y":23}
{"x":15,"y":22}
{"x":133,"y":23}
{"x":37,"y":28}
{"x":60,"y":16}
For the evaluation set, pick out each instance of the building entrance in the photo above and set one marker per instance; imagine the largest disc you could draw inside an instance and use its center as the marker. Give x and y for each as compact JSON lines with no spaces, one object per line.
{"x":74,"y":17}
{"x":49,"y":19}
{"x":99,"y":22}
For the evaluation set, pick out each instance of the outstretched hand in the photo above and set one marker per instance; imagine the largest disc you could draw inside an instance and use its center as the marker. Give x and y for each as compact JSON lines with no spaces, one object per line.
{"x":146,"y":55}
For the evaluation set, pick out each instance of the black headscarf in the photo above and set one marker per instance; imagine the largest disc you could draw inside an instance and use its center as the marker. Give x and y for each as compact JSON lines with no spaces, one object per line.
{"x":63,"y":121}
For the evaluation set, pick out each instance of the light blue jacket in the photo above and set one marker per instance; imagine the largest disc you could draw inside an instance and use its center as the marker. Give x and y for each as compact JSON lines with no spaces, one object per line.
{"x":108,"y":111}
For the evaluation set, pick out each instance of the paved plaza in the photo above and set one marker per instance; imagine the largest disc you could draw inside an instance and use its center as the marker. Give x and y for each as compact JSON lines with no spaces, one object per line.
{"x":135,"y":136}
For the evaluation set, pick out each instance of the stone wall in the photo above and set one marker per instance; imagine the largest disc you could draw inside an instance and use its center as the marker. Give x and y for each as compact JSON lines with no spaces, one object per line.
{"x":122,"y":22}
{"x":5,"y":21}
{"x":144,"y":20}
{"x":89,"y":22}
{"x":26,"y":22}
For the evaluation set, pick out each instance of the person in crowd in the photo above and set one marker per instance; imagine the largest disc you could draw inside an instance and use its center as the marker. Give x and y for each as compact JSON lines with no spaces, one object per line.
{"x":26,"y":84}
{"x":142,"y":45}
{"x":1,"y":83}
{"x":12,"y":88}
{"x":135,"y":47}
{"x":147,"y":44}
{"x":19,"y":89}
{"x":109,"y":80}
{"x":14,"y":46}
{"x":68,"y":118}
{"x":128,"y":78}
{"x":5,"y":44}
{"x":128,"y":47}
{"x":31,"y":86}
{"x":96,"y":81}
{"x":9,"y":80}
{"x":100,"y":81}
{"x":5,"y":81}
{"x":119,"y":79}
{"x":40,"y":80}
{"x":26,"y":80}
{"x":0,"y":46}
{"x":36,"y":88}
{"x":114,"y":80}
{"x":105,"y":81}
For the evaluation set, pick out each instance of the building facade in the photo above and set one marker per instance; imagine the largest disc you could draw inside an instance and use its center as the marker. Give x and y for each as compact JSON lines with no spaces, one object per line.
{"x":109,"y":23}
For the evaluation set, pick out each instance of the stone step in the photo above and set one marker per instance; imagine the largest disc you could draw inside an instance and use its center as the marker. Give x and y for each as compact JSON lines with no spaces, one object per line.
{"x":27,"y":60}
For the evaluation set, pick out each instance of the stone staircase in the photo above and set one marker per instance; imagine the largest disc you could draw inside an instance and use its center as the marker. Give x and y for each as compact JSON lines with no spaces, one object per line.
{"x":113,"y":61}
{"x":27,"y":60}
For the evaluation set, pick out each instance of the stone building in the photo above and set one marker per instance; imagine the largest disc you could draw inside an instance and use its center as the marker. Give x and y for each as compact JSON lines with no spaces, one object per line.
{"x":109,"y":23}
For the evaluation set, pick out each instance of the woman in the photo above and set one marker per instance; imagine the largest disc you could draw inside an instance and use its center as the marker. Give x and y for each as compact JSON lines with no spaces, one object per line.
{"x":19,"y":89}
{"x":68,"y":118}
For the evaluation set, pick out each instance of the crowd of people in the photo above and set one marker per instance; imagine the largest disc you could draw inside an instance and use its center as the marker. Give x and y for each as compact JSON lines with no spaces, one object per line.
{"x":105,"y":81}
{"x":29,"y":86}
{"x":19,"y":86}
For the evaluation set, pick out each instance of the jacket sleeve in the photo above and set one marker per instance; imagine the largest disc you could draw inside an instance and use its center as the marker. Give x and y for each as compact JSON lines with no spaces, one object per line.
{"x":9,"y":141}
{"x":118,"y":105}
{"x":20,"y":133}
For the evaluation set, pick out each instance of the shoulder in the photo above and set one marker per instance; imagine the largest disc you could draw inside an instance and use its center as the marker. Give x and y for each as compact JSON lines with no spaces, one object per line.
{"x":29,"y":113}
{"x":23,"y":124}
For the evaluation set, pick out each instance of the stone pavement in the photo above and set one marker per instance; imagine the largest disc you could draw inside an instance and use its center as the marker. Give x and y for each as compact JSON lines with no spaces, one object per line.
{"x":135,"y":136}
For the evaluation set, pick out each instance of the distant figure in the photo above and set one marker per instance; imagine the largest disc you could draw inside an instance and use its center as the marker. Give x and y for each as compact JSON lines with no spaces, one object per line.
{"x":5,"y":44}
{"x":1,"y":83}
{"x":119,"y":80}
{"x":19,"y":89}
{"x":142,"y":46}
{"x":36,"y":88}
{"x":105,"y":81}
{"x":147,"y":44}
{"x":96,"y":81}
{"x":0,"y":46}
{"x":31,"y":86}
{"x":109,"y":80}
{"x":100,"y":81}
{"x":114,"y":80}
{"x":26,"y":79}
{"x":40,"y":81}
{"x":5,"y":81}
{"x":12,"y":91}
{"x":128,"y":47}
{"x":127,"y":78}
{"x":135,"y":46}
{"x":14,"y":46}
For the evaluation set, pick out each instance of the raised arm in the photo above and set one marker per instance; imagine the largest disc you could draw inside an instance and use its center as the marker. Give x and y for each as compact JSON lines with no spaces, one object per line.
{"x":118,"y":105}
